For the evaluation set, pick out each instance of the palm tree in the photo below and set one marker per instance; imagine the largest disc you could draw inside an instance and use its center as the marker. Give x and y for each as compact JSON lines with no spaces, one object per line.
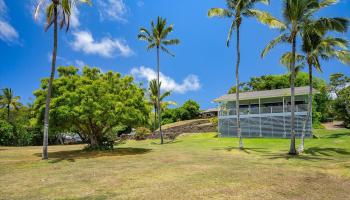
{"x":297,"y":14}
{"x":157,"y":38}
{"x":57,"y":10}
{"x":237,"y":9}
{"x":9,"y":101}
{"x":315,"y":48}
{"x":153,"y":95}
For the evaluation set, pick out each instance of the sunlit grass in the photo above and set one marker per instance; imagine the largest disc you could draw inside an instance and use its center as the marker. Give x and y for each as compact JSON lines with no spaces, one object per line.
{"x":194,"y":166}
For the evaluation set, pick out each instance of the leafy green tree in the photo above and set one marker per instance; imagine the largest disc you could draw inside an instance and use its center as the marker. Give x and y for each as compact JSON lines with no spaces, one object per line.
{"x":57,"y":10}
{"x":157,"y":38}
{"x":237,"y":9}
{"x":297,"y":14}
{"x":93,"y":104}
{"x":193,"y":109}
{"x":338,"y":82}
{"x":9,"y":101}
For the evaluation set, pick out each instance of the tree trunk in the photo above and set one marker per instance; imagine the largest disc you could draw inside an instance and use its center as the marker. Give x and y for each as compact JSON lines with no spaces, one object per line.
{"x":309,"y":111}
{"x":158,"y":101}
{"x":155,"y":119}
{"x":239,"y":133}
{"x":8,"y":112}
{"x":49,"y":90}
{"x":292,"y":150}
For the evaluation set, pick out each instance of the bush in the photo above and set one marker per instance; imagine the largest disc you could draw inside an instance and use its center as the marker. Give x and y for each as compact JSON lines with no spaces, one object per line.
{"x":142,"y":133}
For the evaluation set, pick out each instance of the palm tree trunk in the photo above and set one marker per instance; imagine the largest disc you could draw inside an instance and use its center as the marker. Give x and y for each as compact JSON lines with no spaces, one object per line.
{"x":8,"y":112}
{"x":292,"y":150}
{"x":239,"y":133}
{"x":309,"y":111}
{"x":155,"y":119}
{"x":158,"y":101}
{"x":49,"y":90}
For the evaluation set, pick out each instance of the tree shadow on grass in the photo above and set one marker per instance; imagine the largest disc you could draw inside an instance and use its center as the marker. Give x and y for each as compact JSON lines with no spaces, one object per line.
{"x":337,"y":135}
{"x":311,"y":154}
{"x":245,"y":150}
{"x":275,"y":156}
{"x":315,"y":151}
{"x":1,"y":149}
{"x":166,"y":142}
{"x":71,"y":156}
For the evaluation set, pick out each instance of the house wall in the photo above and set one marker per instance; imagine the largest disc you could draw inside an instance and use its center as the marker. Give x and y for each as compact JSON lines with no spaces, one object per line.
{"x":273,"y":120}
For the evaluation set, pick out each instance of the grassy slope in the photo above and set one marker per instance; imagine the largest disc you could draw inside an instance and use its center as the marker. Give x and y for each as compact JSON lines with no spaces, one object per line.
{"x":192,"y":167}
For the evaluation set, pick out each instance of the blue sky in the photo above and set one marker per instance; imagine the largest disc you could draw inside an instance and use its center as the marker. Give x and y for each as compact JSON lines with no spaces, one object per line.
{"x":105,"y":35}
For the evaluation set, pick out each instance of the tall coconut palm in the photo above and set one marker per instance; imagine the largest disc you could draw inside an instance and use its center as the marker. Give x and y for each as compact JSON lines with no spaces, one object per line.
{"x":153,"y":95}
{"x":9,"y":101}
{"x":157,"y":38}
{"x":57,"y":11}
{"x":297,"y":14}
{"x":315,"y":48}
{"x":237,"y":9}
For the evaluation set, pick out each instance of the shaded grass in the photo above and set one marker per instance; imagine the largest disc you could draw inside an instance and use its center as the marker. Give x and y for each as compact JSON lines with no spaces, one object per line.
{"x":194,"y":166}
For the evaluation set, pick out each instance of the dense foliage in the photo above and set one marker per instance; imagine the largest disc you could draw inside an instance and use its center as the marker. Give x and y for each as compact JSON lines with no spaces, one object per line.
{"x":189,"y":110}
{"x":341,"y":104}
{"x":92,"y":104}
{"x":321,"y":103}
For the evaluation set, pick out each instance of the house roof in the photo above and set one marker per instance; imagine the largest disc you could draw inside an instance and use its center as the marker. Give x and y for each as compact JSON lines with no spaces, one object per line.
{"x":265,"y":94}
{"x":210,"y":110}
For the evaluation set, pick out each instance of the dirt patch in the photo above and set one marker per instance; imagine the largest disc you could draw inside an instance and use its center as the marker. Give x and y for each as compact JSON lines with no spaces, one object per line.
{"x":333,"y":125}
{"x":197,"y":126}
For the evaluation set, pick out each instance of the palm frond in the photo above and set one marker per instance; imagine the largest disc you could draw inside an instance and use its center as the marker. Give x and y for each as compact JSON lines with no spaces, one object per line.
{"x":38,"y":8}
{"x":266,"y":18}
{"x":286,"y":59}
{"x":333,"y":24}
{"x":229,"y":35}
{"x":326,"y":3}
{"x":281,"y":38}
{"x":343,"y":56}
{"x":171,"y":42}
{"x":166,"y":51}
{"x":219,"y":12}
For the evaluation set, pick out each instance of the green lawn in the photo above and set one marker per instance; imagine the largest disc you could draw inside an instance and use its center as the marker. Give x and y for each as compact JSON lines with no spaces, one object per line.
{"x":197,"y":166}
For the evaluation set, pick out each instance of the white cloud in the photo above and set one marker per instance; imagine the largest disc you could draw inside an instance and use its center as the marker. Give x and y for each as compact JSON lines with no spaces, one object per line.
{"x":7,"y":32}
{"x":112,"y":10}
{"x":80,"y":64}
{"x":74,"y":18}
{"x":106,"y":47}
{"x":190,"y":83}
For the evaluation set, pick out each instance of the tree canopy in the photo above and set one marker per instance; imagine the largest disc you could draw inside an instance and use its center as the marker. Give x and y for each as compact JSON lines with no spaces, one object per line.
{"x":93,"y":104}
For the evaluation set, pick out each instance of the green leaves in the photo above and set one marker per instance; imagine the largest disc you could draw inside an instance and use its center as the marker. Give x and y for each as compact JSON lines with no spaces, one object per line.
{"x":280,"y":39}
{"x":93,"y":103}
{"x":157,"y":36}
{"x":219,"y":12}
{"x":64,"y":11}
{"x":266,"y":18}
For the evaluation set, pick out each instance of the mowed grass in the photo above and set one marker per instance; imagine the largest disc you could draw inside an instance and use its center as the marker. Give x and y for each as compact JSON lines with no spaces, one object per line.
{"x":194,"y":166}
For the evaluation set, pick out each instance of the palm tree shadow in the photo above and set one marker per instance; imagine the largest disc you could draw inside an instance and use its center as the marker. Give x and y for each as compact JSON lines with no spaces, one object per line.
{"x":337,"y":135}
{"x":311,"y":154}
{"x":166,"y":142}
{"x":245,"y":150}
{"x":316,"y":151}
{"x":72,"y":156}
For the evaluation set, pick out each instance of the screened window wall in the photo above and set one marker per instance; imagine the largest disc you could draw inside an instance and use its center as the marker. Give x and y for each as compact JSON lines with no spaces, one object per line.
{"x":264,"y":118}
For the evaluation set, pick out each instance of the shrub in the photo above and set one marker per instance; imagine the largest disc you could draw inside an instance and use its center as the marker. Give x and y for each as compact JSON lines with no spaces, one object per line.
{"x":142,"y":133}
